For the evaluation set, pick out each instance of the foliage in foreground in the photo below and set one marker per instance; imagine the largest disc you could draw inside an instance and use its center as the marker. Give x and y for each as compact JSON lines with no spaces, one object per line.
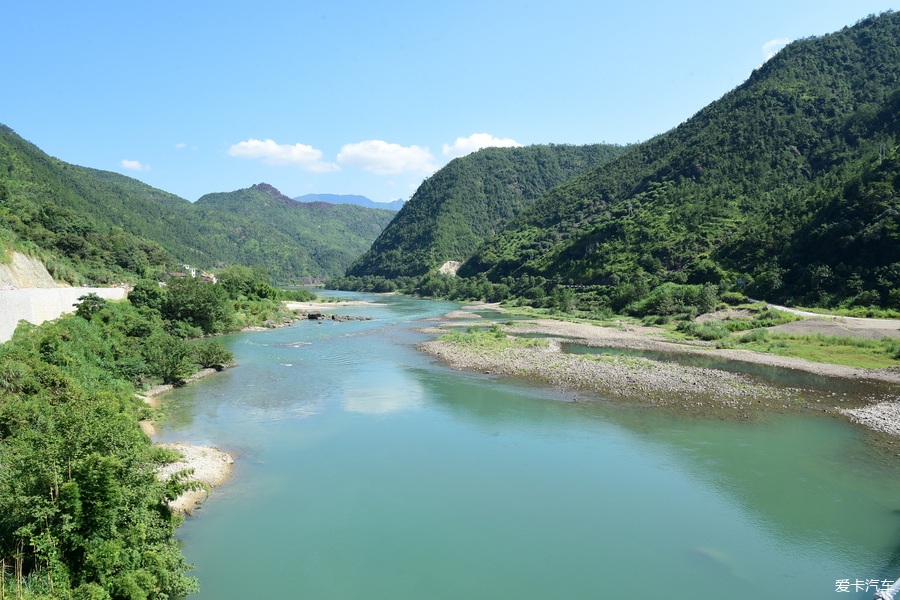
{"x":82,"y":514}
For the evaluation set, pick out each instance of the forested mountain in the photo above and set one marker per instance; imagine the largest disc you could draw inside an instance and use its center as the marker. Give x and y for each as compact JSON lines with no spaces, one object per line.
{"x":786,"y":188}
{"x":93,"y":226}
{"x":85,"y":224}
{"x":312,"y":239}
{"x":350,"y":199}
{"x":469,"y":201}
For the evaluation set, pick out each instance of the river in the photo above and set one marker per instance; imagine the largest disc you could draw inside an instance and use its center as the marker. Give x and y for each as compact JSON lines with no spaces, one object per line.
{"x":365,"y":469}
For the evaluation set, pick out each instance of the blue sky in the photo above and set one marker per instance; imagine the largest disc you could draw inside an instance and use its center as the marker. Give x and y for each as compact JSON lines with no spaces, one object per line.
{"x":369,"y":98}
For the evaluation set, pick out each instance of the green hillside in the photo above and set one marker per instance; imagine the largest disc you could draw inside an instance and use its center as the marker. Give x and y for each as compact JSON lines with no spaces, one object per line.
{"x":306,"y":239}
{"x":786,"y":188}
{"x":469,"y":201}
{"x":92,"y":226}
{"x":87,"y":228}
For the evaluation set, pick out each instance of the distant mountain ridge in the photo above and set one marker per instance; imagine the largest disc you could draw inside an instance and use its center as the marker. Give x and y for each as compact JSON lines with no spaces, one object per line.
{"x":314,"y":237}
{"x":98,"y":227}
{"x":350,"y":199}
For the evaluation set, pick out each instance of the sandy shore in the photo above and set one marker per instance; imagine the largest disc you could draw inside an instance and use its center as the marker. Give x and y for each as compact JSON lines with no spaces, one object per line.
{"x":668,"y":384}
{"x":211,"y":468}
{"x":320,"y":306}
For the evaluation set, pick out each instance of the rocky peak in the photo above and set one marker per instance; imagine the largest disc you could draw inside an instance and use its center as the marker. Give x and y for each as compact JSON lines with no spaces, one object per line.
{"x":273,"y":191}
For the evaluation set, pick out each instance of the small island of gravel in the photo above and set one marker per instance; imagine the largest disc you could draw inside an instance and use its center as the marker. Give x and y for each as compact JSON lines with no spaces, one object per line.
{"x":667,"y":384}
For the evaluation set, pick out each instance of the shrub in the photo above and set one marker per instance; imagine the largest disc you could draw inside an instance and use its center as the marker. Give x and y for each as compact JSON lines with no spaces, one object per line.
{"x":704,"y":331}
{"x":757,"y":335}
{"x":168,"y":357}
{"x":733,"y":298}
{"x":673,"y":298}
{"x":212,"y":354}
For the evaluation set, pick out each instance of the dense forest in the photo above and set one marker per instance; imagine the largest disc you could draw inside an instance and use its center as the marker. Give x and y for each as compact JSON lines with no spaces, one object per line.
{"x":786,"y":188}
{"x":469,"y":201}
{"x":98,"y":227}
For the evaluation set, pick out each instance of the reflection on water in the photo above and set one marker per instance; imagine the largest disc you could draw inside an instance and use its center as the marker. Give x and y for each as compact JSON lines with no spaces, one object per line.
{"x":369,"y":470}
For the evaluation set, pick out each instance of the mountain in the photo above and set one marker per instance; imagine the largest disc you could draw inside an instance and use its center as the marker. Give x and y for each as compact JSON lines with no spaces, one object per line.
{"x":350,"y":199}
{"x":785,"y":188}
{"x":87,"y":226}
{"x":469,"y":201}
{"x":309,"y":239}
{"x":92,"y":226}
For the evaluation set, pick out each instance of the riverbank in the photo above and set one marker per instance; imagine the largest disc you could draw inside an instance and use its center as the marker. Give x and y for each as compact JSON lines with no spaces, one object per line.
{"x":306,"y":307}
{"x":211,"y":466}
{"x":667,"y":384}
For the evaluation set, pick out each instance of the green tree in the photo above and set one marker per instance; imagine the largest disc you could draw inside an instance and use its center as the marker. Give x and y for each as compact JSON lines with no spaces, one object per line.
{"x":149,"y":293}
{"x":199,"y":303}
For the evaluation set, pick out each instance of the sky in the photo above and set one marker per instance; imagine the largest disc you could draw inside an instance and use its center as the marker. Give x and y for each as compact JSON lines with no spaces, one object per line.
{"x":369,"y":98}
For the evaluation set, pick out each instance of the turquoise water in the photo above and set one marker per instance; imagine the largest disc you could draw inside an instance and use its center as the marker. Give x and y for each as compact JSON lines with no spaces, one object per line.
{"x":368,"y":470}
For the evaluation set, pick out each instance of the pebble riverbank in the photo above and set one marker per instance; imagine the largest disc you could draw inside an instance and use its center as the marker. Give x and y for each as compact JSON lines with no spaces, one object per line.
{"x":688,"y":389}
{"x":626,"y":378}
{"x":211,"y":467}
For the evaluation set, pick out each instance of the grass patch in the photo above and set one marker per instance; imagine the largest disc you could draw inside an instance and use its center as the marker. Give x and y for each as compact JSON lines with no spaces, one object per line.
{"x":762,"y":318}
{"x":164,"y":456}
{"x":600,"y":319}
{"x":714,"y":330}
{"x":490,"y":337}
{"x":852,"y":352}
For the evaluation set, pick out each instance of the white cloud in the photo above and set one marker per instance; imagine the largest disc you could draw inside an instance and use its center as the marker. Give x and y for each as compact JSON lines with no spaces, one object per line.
{"x":772,"y":47}
{"x":391,"y":396}
{"x":272,"y":153}
{"x":382,"y":158}
{"x":134,"y":165}
{"x":181,"y":146}
{"x":477,"y":141}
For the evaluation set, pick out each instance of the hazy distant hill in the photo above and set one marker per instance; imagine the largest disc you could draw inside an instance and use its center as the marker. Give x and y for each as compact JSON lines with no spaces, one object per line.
{"x":92,"y":226}
{"x":788,"y":187}
{"x":350,"y":199}
{"x":468,"y":201}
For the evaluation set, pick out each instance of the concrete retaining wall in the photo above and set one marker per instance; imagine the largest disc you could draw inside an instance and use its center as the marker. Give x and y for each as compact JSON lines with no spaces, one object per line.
{"x":37,"y":305}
